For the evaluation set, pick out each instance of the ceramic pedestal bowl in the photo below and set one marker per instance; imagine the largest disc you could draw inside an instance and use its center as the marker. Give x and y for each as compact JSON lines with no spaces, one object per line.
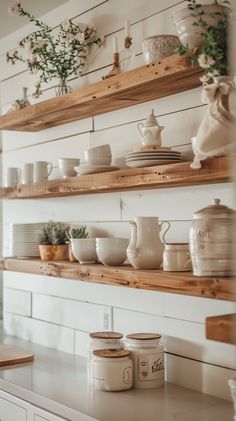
{"x":112,"y":251}
{"x":159,"y":46}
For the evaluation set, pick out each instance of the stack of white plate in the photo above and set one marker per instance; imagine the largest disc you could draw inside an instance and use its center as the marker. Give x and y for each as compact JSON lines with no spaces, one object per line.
{"x":23,"y":240}
{"x":147,"y":158}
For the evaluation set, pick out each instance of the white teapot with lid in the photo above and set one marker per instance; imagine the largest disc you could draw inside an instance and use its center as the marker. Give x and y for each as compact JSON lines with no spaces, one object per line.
{"x":150,"y":131}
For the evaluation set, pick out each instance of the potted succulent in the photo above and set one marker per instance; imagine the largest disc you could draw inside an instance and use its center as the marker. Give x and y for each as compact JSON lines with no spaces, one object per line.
{"x":74,"y":234}
{"x":53,"y":241}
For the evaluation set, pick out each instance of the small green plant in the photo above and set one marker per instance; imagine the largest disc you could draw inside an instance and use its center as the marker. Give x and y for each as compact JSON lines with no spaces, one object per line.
{"x":53,"y":233}
{"x":77,"y":233}
{"x":213,"y":55}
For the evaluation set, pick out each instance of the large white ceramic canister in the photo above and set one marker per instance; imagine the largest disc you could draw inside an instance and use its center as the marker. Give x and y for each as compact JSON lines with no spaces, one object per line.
{"x":211,"y":240}
{"x":176,"y":257}
{"x":102,"y":340}
{"x":148,"y":358}
{"x":112,"y":370}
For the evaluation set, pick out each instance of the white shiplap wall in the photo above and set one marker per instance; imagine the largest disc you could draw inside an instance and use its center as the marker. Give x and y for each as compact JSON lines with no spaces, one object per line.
{"x":59,"y":313}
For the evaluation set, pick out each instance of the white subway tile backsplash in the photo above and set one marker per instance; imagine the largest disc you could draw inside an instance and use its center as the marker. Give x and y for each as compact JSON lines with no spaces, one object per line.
{"x":81,"y":343}
{"x":74,"y":314}
{"x":18,"y":302}
{"x":47,"y":334}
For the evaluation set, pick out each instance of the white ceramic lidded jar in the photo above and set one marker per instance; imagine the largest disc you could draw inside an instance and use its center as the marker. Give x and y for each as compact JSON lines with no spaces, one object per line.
{"x":150,"y":131}
{"x":102,"y":340}
{"x":147,"y":354}
{"x":211,"y":240}
{"x":112,"y":370}
{"x":176,"y":257}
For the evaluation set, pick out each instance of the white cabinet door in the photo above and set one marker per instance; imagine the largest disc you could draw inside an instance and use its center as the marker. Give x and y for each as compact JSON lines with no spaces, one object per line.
{"x":9,"y":411}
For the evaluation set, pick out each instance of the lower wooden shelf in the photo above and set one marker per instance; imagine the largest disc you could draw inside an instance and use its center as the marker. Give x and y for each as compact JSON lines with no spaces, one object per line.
{"x":183,"y":283}
{"x":213,"y":170}
{"x":222,"y":328}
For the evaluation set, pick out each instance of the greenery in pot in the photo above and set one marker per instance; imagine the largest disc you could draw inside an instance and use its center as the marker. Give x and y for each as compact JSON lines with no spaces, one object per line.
{"x":53,"y":233}
{"x":212,"y":56}
{"x":53,"y":54}
{"x":75,"y":233}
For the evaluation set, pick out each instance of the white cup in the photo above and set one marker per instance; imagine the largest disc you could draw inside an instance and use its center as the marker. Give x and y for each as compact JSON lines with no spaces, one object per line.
{"x":13,"y":176}
{"x":42,"y":169}
{"x":176,"y":258}
{"x":28,"y":173}
{"x":66,"y":167}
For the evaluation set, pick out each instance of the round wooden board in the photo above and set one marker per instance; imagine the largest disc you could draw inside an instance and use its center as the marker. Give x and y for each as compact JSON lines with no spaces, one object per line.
{"x":12,"y":355}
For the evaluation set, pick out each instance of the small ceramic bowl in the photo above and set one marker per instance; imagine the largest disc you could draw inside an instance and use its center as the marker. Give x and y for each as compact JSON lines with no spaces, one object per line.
{"x":101,"y":155}
{"x":84,"y":250}
{"x":112,"y":251}
{"x":159,"y":46}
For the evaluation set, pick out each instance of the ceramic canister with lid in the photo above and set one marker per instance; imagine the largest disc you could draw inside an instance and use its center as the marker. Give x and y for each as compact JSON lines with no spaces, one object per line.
{"x":103,"y":340}
{"x":176,"y":257}
{"x":148,"y":358}
{"x":112,"y":370}
{"x":211,"y":240}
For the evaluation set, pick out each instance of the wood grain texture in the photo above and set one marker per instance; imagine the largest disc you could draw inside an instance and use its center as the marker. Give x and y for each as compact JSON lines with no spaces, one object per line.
{"x":14,"y":355}
{"x":171,"y":75}
{"x":222,"y":328}
{"x":184,"y":283}
{"x":172,"y":175}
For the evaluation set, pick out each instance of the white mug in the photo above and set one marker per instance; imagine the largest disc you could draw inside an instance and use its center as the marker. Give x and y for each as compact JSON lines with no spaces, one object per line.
{"x":13,"y":176}
{"x":28,"y":173}
{"x":42,"y":169}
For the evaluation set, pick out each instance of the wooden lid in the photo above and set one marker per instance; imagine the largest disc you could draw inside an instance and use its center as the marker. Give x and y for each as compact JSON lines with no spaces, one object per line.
{"x":111,"y":353}
{"x":106,"y":335}
{"x":143,"y":336}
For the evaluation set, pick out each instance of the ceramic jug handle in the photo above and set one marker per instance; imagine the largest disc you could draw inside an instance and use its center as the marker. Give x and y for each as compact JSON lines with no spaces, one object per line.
{"x":142,"y":125}
{"x":132,"y":246}
{"x":49,"y":167}
{"x":167,"y":229}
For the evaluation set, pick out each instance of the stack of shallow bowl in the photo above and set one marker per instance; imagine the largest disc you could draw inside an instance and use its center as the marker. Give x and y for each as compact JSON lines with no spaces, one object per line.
{"x":148,"y":157}
{"x":96,"y":160}
{"x":23,"y":240}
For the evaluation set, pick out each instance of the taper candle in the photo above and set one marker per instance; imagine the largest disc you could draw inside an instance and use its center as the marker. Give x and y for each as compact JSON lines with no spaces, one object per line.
{"x":127,"y":28}
{"x":115,"y":45}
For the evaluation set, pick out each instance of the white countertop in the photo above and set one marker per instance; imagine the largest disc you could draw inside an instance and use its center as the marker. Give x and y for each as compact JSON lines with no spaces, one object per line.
{"x":57,"y":382}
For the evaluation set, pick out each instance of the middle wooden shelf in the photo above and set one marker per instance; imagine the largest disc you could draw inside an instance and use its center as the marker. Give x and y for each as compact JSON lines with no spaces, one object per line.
{"x":184,"y":283}
{"x":172,"y":175}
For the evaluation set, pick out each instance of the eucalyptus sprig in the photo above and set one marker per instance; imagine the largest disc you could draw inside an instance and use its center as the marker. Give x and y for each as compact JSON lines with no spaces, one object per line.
{"x":213,"y":55}
{"x":50,"y":54}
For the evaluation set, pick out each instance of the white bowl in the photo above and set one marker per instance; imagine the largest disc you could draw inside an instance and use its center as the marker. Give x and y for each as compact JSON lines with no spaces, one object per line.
{"x":69,"y":161}
{"x":97,"y":160}
{"x":159,"y":46}
{"x":99,"y":151}
{"x":84,"y":250}
{"x":67,"y":170}
{"x":112,"y":251}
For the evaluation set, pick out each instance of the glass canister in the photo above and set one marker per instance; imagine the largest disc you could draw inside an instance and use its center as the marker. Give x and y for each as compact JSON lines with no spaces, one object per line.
{"x":102,"y":340}
{"x":148,"y":358}
{"x":211,"y":240}
{"x":176,"y":257}
{"x":112,"y":370}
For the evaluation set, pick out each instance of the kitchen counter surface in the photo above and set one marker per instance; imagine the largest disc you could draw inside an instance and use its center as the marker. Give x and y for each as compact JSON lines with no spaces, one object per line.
{"x":57,"y":382}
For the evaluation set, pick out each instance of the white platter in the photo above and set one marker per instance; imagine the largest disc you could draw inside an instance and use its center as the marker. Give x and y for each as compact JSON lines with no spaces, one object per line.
{"x":150,"y":163}
{"x":94,"y":169}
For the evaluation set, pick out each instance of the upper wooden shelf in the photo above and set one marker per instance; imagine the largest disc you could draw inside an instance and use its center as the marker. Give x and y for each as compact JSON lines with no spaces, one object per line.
{"x":184,"y":283}
{"x":213,"y":170}
{"x":222,"y":328}
{"x":169,"y":76}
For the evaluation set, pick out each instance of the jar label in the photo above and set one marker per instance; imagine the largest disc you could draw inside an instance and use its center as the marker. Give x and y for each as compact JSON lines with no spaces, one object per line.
{"x":151,"y":366}
{"x":128,"y":375}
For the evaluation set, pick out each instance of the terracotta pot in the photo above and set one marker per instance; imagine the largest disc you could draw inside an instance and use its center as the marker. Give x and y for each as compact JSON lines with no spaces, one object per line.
{"x":50,"y":252}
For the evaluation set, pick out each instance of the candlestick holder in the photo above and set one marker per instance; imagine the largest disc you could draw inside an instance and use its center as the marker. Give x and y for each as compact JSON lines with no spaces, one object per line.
{"x":116,"y":67}
{"x":127,"y":55}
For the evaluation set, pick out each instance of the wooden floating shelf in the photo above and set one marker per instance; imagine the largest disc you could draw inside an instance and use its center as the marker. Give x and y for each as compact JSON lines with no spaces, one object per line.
{"x":169,"y":76}
{"x":173,"y":175}
{"x":222,"y":328}
{"x":184,"y":283}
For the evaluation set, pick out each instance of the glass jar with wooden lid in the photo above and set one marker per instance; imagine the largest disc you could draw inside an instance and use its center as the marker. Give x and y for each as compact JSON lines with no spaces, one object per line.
{"x":147,"y":354}
{"x":112,"y":370}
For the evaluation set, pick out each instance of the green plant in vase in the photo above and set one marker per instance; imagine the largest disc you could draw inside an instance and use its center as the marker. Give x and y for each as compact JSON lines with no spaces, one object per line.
{"x":53,"y":241}
{"x":53,"y":54}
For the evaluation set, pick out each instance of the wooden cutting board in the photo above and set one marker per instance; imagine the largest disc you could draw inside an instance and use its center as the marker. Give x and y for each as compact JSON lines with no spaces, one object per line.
{"x":12,"y":355}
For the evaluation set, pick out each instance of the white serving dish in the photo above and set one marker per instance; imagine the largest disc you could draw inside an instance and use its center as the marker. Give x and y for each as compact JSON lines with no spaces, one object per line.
{"x":149,"y":163}
{"x":112,"y":251}
{"x":94,"y":169}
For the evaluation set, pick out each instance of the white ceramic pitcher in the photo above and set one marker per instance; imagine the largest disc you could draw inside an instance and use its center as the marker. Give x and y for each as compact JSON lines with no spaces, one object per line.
{"x":150,"y":131}
{"x":145,"y":250}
